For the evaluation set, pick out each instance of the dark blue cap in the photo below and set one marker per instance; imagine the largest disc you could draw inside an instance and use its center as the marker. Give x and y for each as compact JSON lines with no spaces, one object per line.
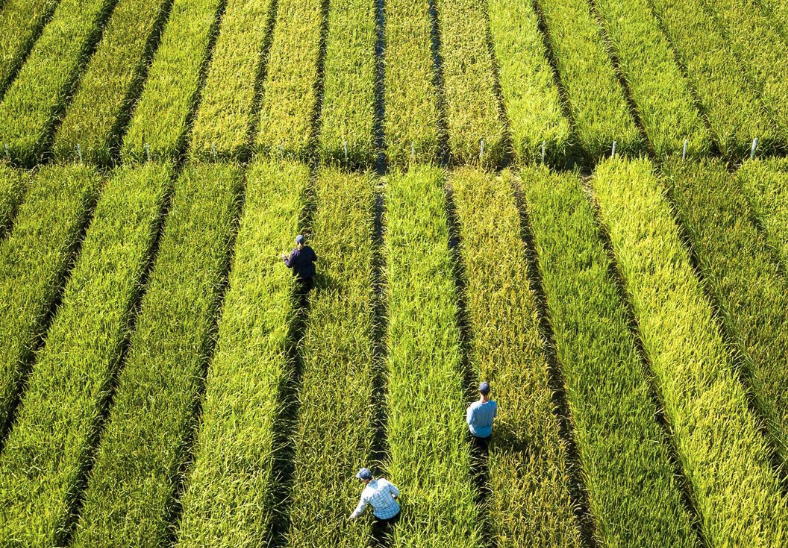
{"x":484,"y":387}
{"x":364,"y":474}
{"x":299,"y":239}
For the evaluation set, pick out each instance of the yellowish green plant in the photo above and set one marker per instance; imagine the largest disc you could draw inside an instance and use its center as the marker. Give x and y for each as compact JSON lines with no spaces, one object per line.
{"x":765,"y":183}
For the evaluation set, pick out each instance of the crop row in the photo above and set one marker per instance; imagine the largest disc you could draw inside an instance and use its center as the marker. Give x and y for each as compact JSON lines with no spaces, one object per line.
{"x":226,"y":502}
{"x":777,"y":12}
{"x":138,"y":464}
{"x":13,"y":184}
{"x":58,"y":422}
{"x":530,"y":503}
{"x":765,"y":184}
{"x":608,"y":391}
{"x":530,"y":97}
{"x":226,"y":112}
{"x":43,"y":87}
{"x":739,"y":269}
{"x":722,"y":451}
{"x":160,"y":120}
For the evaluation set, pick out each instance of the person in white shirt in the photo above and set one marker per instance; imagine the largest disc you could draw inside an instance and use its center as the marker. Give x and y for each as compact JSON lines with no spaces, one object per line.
{"x":382,"y":496}
{"x":480,"y":416}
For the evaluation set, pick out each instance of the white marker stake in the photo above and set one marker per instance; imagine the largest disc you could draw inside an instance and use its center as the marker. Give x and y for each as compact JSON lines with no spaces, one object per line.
{"x":412,"y":152}
{"x":344,"y":144}
{"x":79,"y":152}
{"x":7,"y":154}
{"x":613,"y":154}
{"x":754,"y":147}
{"x":481,"y":150}
{"x":684,"y":154}
{"x":147,"y":151}
{"x":544,"y":144}
{"x":213,"y":151}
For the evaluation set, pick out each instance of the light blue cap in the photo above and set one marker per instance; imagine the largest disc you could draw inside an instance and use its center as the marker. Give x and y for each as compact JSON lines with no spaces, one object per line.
{"x":364,"y":474}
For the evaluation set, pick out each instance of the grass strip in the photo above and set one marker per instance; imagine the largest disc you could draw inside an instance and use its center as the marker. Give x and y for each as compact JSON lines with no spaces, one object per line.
{"x":633,"y":494}
{"x":469,"y":85}
{"x":741,"y":273}
{"x":429,"y":453}
{"x":596,"y":99}
{"x":45,"y":456}
{"x":42,"y":89}
{"x":765,"y":183}
{"x":527,"y":464}
{"x":227,"y":501}
{"x":348,"y":112}
{"x":33,"y":263}
{"x":722,"y":451}
{"x":530,"y":97}
{"x":291,"y":89}
{"x":734,"y":112}
{"x":160,"y":120}
{"x":412,"y":127}
{"x":107,"y":90}
{"x":226,"y":112}
{"x":13,"y":184}
{"x":335,"y":426}
{"x":138,"y":465}
{"x":658,"y":88}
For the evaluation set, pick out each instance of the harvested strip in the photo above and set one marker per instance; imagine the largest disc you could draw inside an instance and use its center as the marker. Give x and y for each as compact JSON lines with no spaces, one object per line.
{"x":596,"y":99}
{"x":226,"y":111}
{"x":13,"y":184}
{"x":226,"y":502}
{"x":411,"y":127}
{"x":472,"y":110}
{"x":530,"y":98}
{"x":619,"y":440}
{"x":427,"y":437}
{"x":740,"y":270}
{"x":142,"y":449}
{"x":765,"y":184}
{"x":530,"y":496}
{"x":113,"y":78}
{"x":59,"y":419}
{"x":721,"y":449}
{"x":348,"y":113}
{"x":291,"y":86}
{"x":172,"y":88}
{"x":335,"y":418}
{"x":658,"y":88}
{"x":33,"y":263}
{"x":43,"y":87}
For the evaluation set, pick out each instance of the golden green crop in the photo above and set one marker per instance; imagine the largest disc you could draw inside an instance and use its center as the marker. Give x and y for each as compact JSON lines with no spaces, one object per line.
{"x":765,"y":183}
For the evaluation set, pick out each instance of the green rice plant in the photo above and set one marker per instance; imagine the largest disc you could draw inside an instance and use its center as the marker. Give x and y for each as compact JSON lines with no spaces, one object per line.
{"x":530,"y":504}
{"x":662,"y":95}
{"x":335,"y":426}
{"x":226,"y":112}
{"x":765,"y":183}
{"x":113,"y":78}
{"x":35,"y":100}
{"x":33,"y":264}
{"x":348,"y":112}
{"x":160,"y":122}
{"x":724,"y":455}
{"x":226,"y":502}
{"x":608,"y":392}
{"x":45,"y":455}
{"x":741,"y":273}
{"x":469,"y":85}
{"x":138,"y":464}
{"x":735,"y":114}
{"x":530,"y":97}
{"x":427,"y":436}
{"x":13,"y":184}
{"x":777,"y":12}
{"x":412,"y":127}
{"x":290,"y":100}
{"x":596,"y":99}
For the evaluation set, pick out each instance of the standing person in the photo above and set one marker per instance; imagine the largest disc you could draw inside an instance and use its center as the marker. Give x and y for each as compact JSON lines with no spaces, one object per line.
{"x":302,"y":261}
{"x":382,"y":495}
{"x":480,"y":417}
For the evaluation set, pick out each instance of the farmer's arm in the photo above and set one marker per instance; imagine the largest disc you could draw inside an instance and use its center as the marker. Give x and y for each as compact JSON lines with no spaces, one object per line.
{"x":362,"y":505}
{"x":394,"y":490}
{"x":469,"y":415}
{"x":289,"y":260}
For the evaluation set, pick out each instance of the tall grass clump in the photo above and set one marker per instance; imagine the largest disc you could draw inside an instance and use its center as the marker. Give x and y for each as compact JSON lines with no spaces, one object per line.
{"x":777,"y":12}
{"x":226,"y":112}
{"x":291,"y":87}
{"x":335,"y":427}
{"x":161,"y":117}
{"x":744,"y":278}
{"x":13,"y":184}
{"x":412,"y":127}
{"x":662,"y":95}
{"x":608,"y":391}
{"x":469,"y":85}
{"x":765,"y":183}
{"x":227,"y":502}
{"x":113,"y":78}
{"x":734,"y":111}
{"x":596,"y":99}
{"x":33,"y":263}
{"x":530,"y":503}
{"x":138,"y":465}
{"x":348,"y":113}
{"x":46,"y":453}
{"x":427,"y":436}
{"x":717,"y":439}
{"x":530,"y":97}
{"x":42,"y":89}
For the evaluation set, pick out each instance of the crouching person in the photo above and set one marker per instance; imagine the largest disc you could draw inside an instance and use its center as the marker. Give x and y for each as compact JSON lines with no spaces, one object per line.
{"x":382,"y":496}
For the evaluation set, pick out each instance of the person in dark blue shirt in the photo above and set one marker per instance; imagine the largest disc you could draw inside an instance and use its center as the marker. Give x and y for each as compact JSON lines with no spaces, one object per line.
{"x":302,"y":262}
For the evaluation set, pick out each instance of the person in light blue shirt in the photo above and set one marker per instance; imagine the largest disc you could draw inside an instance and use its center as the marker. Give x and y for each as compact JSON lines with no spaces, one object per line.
{"x":382,"y":495}
{"x":480,"y":416}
